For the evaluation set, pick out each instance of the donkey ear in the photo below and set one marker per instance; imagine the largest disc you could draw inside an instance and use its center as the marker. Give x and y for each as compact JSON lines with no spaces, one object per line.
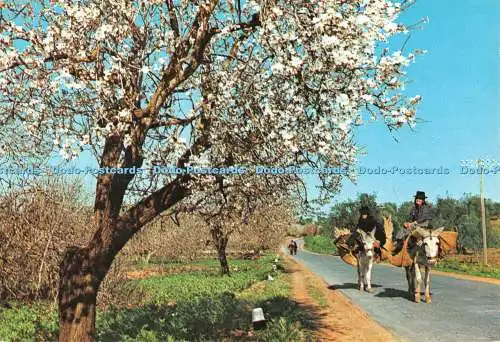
{"x":372,"y":233}
{"x":438,"y":231}
{"x":419,"y":232}
{"x":361,"y":232}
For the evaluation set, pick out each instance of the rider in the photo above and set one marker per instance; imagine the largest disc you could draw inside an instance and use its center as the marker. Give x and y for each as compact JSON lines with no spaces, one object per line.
{"x":366,"y":223}
{"x":293,"y":247}
{"x":422,"y":214}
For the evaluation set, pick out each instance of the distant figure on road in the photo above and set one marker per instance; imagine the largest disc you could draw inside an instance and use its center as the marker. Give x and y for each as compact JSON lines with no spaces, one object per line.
{"x":292,"y":247}
{"x":420,"y":215}
{"x":366,"y":223}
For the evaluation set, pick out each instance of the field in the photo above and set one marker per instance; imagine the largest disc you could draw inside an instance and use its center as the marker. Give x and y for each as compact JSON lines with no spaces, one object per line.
{"x":191,"y":302}
{"x":473,"y":264}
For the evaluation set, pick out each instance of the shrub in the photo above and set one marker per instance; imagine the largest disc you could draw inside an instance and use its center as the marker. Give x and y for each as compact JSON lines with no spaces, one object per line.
{"x":319,"y":244}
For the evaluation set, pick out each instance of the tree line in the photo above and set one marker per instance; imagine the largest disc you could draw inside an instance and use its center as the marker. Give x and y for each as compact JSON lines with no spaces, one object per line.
{"x":464,"y":214}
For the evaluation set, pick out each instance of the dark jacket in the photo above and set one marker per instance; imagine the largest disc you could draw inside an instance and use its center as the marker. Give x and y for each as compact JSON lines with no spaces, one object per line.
{"x":367,"y":226}
{"x":422,"y":214}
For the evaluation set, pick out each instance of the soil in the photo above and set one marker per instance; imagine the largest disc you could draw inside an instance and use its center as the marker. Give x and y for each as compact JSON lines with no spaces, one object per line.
{"x":341,"y":320}
{"x":477,"y":257}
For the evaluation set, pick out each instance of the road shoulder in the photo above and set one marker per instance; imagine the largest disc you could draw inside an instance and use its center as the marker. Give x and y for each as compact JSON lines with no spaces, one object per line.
{"x":341,"y":320}
{"x":455,"y":275}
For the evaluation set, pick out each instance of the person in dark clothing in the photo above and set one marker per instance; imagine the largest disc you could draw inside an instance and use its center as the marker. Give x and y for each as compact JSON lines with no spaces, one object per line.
{"x":366,"y":223}
{"x":292,"y":247}
{"x":421,"y":215}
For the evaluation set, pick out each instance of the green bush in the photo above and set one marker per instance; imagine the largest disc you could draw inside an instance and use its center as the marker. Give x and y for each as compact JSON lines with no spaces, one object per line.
{"x":319,"y":244}
{"x":28,"y":323}
{"x":283,"y":330}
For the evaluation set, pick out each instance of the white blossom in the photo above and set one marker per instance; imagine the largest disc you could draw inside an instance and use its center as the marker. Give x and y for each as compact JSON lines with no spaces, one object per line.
{"x":292,"y":87}
{"x":330,"y":40}
{"x":362,"y":19}
{"x":343,"y":99}
{"x":124,"y":114}
{"x":391,"y":27}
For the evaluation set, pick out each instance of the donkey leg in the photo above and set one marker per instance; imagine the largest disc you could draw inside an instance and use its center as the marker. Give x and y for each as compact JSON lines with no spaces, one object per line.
{"x":418,"y":276}
{"x":412,"y":273}
{"x":360,"y":276}
{"x":368,"y":276}
{"x":427,"y":284}
{"x":409,"y":280}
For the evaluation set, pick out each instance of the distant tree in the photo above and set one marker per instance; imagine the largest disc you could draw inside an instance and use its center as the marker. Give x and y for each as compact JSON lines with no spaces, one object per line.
{"x":305,"y":220}
{"x":370,"y":201}
{"x":448,"y":212}
{"x":495,"y":209}
{"x":492,"y":208}
{"x":388,"y":208}
{"x":464,"y":214}
{"x":469,"y":225}
{"x":324,"y":224}
{"x":469,"y":231}
{"x":472,"y":204}
{"x":345,"y":214}
{"x":402,"y":215}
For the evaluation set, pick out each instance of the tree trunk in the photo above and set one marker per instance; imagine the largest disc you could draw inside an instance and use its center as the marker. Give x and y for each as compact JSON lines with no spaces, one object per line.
{"x":224,"y":266}
{"x":220,"y":242}
{"x":77,"y":297}
{"x":83,"y":269}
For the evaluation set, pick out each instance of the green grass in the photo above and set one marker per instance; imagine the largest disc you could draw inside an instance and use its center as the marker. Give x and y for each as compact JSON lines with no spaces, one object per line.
{"x":36,"y":322}
{"x":451,"y":265}
{"x":201,"y":284}
{"x":317,"y":295}
{"x":319,"y":244}
{"x":193,"y":306}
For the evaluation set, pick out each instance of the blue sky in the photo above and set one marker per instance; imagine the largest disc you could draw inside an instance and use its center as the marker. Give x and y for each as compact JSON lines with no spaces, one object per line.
{"x":459,"y":80}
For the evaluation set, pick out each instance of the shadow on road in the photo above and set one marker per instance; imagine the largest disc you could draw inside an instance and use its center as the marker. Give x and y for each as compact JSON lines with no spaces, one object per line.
{"x":348,"y":286}
{"x":393,"y":293}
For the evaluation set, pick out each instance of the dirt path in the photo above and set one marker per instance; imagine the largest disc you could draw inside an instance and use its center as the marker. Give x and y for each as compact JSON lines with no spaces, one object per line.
{"x":340,"y":320}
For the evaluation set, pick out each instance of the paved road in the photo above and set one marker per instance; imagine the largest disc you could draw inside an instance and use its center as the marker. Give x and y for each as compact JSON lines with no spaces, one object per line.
{"x":461,"y":310}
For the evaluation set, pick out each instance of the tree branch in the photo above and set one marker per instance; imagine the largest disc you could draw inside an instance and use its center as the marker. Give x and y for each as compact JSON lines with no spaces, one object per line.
{"x":174,"y":23}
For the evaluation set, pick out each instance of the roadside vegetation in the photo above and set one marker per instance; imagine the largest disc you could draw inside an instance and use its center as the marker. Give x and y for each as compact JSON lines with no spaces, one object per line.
{"x":319,"y":244}
{"x":165,"y":285}
{"x":187,"y":305}
{"x":473,"y":264}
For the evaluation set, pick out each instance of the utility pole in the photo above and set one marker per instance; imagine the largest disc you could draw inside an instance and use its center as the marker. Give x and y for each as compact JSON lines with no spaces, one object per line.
{"x":483,"y":213}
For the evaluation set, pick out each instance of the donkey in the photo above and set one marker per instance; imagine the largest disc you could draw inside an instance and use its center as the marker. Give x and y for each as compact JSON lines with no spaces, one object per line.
{"x":365,"y":257}
{"x":424,"y":255}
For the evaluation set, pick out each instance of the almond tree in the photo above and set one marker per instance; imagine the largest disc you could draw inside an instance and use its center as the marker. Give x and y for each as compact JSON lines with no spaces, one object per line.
{"x":230,"y":204}
{"x":141,"y":83}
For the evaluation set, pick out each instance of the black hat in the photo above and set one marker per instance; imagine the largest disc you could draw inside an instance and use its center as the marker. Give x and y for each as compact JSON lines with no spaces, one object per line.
{"x":364,"y":210}
{"x":420,"y":195}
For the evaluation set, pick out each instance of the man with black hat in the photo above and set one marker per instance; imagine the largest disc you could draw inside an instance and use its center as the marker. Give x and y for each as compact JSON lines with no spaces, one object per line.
{"x":420,"y":215}
{"x":366,"y":223}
